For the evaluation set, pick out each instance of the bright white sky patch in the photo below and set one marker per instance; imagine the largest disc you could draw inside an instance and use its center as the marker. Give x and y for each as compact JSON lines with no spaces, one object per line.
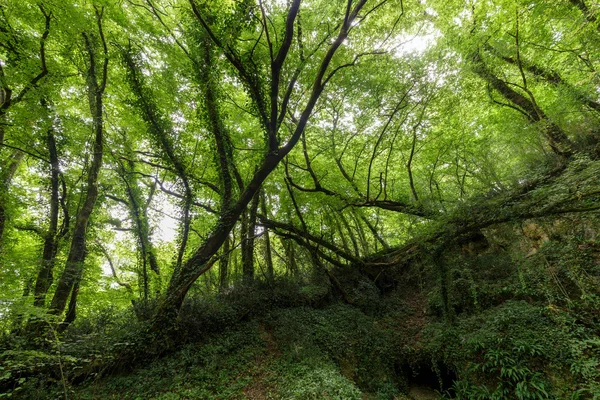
{"x":165,"y":230}
{"x":165,"y":212}
{"x":414,"y":44}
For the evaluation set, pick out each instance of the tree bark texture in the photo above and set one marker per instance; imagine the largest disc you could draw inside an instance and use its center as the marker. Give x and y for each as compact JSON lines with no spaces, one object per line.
{"x":45,"y":277}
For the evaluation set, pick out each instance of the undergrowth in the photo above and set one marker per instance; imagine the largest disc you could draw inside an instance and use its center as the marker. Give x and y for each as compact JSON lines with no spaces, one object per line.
{"x":525,"y":324}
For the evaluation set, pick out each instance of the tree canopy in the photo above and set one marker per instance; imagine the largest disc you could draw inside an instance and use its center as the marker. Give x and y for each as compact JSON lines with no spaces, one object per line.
{"x":150,"y":149}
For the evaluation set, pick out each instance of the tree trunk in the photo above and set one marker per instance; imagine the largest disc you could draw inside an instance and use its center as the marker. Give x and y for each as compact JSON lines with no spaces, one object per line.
{"x":224,"y":265}
{"x":557,"y":139}
{"x":44,"y":278}
{"x":248,"y":255}
{"x":375,"y":232}
{"x":6,"y":179}
{"x":268,"y":255}
{"x":162,"y":133}
{"x":350,"y":234}
{"x":139,"y":214}
{"x":72,"y":309}
{"x":244,"y":242}
{"x":75,"y":260}
{"x":587,"y":13}
{"x":338,"y":226}
{"x":361,"y":232}
{"x":549,"y":76}
{"x":164,"y":319}
{"x":290,"y":253}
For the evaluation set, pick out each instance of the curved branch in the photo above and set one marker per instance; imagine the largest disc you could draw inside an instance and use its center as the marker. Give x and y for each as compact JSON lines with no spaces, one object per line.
{"x":280,"y":226}
{"x":112,"y":266}
{"x":34,"y":81}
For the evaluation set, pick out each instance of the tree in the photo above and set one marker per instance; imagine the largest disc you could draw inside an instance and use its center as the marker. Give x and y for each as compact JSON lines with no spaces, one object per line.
{"x":97,"y":77}
{"x":310,"y":132}
{"x":271,"y":112}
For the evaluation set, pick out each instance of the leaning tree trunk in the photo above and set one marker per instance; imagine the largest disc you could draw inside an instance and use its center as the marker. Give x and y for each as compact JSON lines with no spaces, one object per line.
{"x":548,"y":75}
{"x":556,"y":137}
{"x":587,"y":13}
{"x":162,"y":133}
{"x":570,"y":188}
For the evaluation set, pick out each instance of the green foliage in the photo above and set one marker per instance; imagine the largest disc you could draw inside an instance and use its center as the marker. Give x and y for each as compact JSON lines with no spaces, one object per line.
{"x":298,"y":353}
{"x":544,"y":347}
{"x":406,"y":139}
{"x":26,"y":372}
{"x":320,"y":381}
{"x":201,"y":314}
{"x":343,"y":334}
{"x":586,"y":366}
{"x":513,"y":378}
{"x":511,"y":351}
{"x":217,"y":369}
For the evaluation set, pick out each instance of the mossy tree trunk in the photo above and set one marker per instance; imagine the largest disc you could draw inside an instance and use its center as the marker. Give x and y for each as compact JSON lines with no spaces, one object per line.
{"x":68,"y":283}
